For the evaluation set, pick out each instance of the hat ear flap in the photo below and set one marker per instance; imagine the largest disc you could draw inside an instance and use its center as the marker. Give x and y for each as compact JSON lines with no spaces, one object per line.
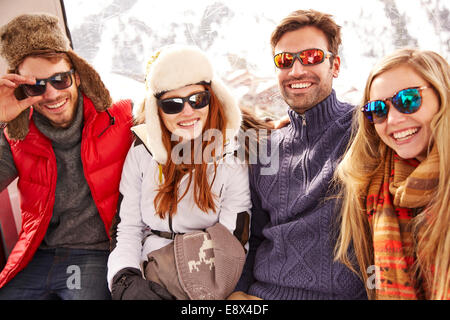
{"x":230,"y":107}
{"x":91,"y":84}
{"x":154,"y":132}
{"x":17,"y":128}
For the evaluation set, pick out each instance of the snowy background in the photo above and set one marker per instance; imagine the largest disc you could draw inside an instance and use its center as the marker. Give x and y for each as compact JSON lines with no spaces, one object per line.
{"x":118,"y":36}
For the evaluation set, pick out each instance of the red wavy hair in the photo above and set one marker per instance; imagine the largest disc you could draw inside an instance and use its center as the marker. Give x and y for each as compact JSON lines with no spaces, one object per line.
{"x":166,"y":200}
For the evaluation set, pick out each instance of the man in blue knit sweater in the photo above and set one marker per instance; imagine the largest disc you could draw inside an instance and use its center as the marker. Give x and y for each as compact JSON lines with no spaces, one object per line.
{"x":294,"y":218}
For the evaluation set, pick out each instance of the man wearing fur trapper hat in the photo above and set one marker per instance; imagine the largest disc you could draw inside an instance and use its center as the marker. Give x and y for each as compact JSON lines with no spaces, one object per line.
{"x":66,"y":142}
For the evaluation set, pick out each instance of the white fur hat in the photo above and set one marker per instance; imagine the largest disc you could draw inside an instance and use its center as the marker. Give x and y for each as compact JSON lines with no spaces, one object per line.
{"x":175,"y":67}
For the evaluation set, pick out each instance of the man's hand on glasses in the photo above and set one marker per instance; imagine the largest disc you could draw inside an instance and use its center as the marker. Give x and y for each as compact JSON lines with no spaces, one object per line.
{"x":10,"y":106}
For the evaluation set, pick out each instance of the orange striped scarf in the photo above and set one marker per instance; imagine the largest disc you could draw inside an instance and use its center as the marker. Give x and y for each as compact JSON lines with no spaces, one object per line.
{"x":398,"y":190}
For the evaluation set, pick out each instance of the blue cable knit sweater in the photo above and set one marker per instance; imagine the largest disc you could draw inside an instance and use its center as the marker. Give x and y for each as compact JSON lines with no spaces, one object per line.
{"x":293,"y":233}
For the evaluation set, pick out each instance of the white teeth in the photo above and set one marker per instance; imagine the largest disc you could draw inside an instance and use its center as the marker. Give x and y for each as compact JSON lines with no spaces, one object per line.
{"x":187,"y":124}
{"x":55,"y":106}
{"x":404,"y":134}
{"x":300,"y":85}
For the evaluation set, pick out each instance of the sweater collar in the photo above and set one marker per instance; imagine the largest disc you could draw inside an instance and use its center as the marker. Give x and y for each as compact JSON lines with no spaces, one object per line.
{"x":319,"y":117}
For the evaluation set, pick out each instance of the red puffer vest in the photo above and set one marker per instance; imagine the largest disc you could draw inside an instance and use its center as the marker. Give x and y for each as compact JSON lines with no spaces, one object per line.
{"x":106,"y":140}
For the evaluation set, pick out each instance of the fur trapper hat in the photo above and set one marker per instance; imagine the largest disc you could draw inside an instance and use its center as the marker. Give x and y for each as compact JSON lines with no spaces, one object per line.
{"x":174,"y":67}
{"x":32,"y":33}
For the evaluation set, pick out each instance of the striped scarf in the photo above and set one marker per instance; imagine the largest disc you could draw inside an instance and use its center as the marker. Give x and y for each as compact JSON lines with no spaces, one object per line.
{"x":398,"y":191}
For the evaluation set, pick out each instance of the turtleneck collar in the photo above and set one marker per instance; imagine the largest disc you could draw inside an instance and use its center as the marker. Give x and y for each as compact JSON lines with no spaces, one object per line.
{"x":321,"y":116}
{"x":62,"y":138}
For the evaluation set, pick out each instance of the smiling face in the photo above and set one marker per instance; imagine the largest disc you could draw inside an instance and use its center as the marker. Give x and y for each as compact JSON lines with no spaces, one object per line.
{"x":58,"y":106}
{"x":189,"y":123}
{"x":302,"y":87}
{"x":407,"y":134}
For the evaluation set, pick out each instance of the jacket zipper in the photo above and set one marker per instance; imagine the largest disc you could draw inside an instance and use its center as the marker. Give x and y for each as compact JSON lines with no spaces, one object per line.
{"x":303,"y":126}
{"x":112,"y":121}
{"x":305,"y":159}
{"x":303,"y":119}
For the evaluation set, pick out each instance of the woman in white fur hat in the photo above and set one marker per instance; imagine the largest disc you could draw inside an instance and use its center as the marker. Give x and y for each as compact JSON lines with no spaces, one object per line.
{"x":181,"y":177}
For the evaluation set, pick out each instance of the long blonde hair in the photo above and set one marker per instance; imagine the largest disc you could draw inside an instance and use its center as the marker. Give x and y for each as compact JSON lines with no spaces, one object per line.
{"x":365,"y":155}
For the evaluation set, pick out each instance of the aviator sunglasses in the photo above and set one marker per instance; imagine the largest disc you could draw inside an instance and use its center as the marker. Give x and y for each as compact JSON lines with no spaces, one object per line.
{"x":59,"y":81}
{"x":197,"y":100}
{"x":308,"y":57}
{"x":406,"y":101}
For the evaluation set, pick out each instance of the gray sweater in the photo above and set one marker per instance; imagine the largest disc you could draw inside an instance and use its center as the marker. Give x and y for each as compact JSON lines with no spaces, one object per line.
{"x":293,"y":222}
{"x":75,"y":221}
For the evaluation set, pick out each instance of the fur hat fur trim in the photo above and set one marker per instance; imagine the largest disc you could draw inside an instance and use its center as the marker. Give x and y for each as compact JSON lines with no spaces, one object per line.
{"x":175,"y":67}
{"x":28,"y":34}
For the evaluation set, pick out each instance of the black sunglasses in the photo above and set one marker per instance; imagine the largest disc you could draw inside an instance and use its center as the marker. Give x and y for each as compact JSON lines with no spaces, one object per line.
{"x":197,"y":100}
{"x":59,"y":81}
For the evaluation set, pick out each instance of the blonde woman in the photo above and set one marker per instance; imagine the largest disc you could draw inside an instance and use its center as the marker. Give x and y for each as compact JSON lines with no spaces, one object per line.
{"x":395,"y":175}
